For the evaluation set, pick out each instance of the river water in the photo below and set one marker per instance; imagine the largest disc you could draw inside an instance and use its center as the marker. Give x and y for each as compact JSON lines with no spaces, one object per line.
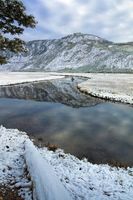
{"x":81,"y":125}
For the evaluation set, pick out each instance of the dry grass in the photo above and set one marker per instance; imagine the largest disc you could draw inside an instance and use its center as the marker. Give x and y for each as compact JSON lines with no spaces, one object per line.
{"x":52,"y":147}
{"x":7,"y":193}
{"x":117,"y":164}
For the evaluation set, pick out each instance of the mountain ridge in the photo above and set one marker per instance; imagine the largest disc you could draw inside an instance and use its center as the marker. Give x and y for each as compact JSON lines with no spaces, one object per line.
{"x":75,"y":53}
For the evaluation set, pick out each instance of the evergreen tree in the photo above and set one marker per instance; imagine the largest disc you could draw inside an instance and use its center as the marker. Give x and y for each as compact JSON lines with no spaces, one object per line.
{"x":13,"y":21}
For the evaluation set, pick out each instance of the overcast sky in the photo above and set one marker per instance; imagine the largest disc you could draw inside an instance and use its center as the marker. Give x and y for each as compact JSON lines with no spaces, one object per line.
{"x":110,"y":19}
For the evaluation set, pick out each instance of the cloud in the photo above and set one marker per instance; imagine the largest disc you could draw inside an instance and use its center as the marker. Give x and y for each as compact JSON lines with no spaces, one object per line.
{"x":110,"y":19}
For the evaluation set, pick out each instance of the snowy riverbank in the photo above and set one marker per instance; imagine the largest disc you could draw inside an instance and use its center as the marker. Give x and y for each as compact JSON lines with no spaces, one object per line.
{"x":9,"y":78}
{"x":114,"y":87}
{"x":81,"y":179}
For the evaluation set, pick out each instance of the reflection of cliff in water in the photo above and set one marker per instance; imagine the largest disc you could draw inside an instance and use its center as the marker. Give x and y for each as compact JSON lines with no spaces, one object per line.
{"x":63,"y":91}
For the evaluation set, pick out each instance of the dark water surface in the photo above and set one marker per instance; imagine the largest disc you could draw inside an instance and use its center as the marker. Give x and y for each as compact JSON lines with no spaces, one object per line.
{"x":101,"y":133}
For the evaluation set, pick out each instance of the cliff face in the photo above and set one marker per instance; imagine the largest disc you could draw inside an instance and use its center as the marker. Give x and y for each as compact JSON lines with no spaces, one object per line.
{"x":76,"y":53}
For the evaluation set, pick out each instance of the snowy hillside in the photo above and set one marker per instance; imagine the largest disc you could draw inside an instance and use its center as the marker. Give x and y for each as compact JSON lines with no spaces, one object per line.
{"x":75,"y":53}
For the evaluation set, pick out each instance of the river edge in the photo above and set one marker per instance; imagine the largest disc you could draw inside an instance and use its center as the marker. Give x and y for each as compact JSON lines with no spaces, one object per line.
{"x":108,"y":86}
{"x":81,"y":179}
{"x":106,"y":193}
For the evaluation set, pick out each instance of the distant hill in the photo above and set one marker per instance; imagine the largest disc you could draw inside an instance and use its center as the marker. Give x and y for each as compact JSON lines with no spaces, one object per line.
{"x":74,"y":53}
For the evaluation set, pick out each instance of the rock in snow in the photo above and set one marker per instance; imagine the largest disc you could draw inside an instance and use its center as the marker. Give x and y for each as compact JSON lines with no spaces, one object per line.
{"x":56,"y":174}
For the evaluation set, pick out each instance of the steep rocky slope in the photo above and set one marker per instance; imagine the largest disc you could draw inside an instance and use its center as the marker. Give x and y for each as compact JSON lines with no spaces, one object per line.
{"x":75,"y":53}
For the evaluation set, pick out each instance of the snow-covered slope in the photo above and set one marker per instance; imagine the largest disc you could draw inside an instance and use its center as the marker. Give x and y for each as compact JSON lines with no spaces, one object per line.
{"x":77,"y":52}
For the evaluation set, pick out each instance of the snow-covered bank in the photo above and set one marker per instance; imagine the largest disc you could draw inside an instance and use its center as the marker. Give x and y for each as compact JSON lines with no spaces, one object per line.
{"x":46,"y":185}
{"x":88,"y":181}
{"x":8,"y":78}
{"x":12,"y":162}
{"x":114,"y":87}
{"x":82,"y":179}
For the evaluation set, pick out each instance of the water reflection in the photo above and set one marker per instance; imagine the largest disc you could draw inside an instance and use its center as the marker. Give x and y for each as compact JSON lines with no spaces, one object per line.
{"x":101,"y":133}
{"x":63,"y":91}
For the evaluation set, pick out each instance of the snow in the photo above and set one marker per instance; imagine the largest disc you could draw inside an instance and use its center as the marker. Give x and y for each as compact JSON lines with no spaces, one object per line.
{"x":115,"y":87}
{"x":12,"y":162}
{"x":8,"y":78}
{"x":47,"y":186}
{"x":88,"y":181}
{"x":57,"y":173}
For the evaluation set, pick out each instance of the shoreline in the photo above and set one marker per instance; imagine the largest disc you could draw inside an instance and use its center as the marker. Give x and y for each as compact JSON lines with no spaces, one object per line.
{"x":112,"y":87}
{"x":81,"y":178}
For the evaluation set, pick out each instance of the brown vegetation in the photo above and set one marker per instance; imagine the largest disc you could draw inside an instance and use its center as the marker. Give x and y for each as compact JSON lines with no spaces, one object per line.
{"x":7,"y":193}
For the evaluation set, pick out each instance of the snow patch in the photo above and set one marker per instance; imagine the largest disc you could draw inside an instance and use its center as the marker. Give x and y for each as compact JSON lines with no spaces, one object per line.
{"x":23,"y":77}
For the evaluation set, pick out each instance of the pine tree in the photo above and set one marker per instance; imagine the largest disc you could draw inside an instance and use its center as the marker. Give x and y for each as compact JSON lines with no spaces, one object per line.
{"x":13,"y":21}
